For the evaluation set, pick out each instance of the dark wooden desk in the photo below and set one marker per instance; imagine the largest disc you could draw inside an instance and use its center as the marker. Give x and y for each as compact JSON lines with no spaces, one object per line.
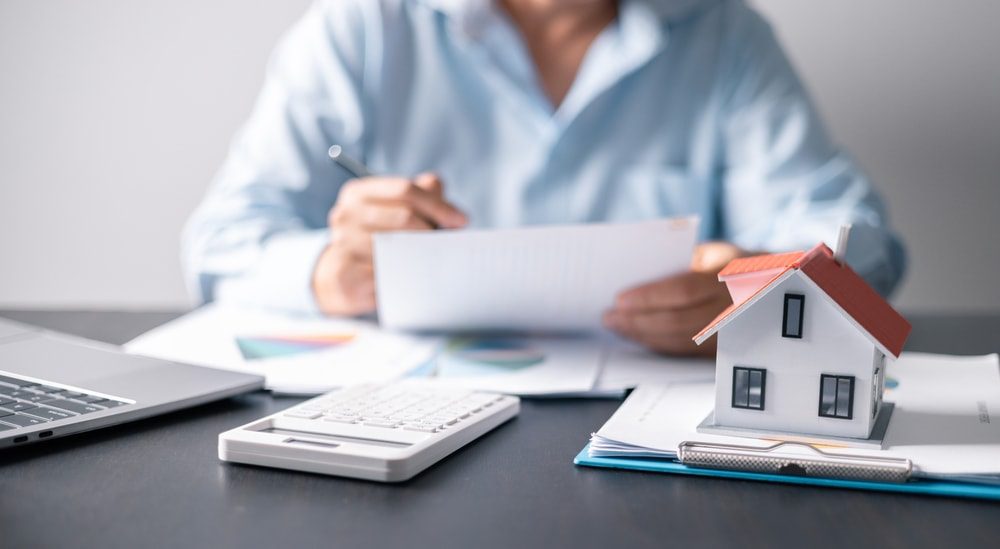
{"x":158,"y":483}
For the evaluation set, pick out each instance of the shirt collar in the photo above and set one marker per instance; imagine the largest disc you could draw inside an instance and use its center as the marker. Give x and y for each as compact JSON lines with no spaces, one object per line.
{"x":640,"y":31}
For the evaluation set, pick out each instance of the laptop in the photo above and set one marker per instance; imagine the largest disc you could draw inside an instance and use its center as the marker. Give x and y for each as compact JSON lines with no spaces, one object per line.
{"x":53,"y":385}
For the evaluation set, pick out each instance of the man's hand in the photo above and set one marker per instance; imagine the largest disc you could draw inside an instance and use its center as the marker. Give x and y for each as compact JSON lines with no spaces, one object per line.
{"x":344,"y":278}
{"x":665,"y":314}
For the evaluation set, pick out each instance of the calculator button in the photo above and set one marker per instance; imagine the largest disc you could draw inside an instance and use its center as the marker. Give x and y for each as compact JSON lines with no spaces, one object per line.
{"x":340,"y":419}
{"x":422,"y":427}
{"x":303,"y":414}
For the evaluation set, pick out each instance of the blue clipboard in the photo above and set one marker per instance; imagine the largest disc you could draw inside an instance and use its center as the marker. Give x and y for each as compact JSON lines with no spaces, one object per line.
{"x":920,"y":486}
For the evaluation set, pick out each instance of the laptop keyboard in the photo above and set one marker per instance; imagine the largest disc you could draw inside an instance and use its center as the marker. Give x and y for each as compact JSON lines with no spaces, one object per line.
{"x":25,"y":403}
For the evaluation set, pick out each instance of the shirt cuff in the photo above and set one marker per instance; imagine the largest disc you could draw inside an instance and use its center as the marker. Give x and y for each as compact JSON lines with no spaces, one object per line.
{"x":282,"y":277}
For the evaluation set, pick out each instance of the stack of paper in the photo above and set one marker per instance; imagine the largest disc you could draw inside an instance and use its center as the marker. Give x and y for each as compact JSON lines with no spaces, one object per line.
{"x":945,"y":418}
{"x":305,"y":355}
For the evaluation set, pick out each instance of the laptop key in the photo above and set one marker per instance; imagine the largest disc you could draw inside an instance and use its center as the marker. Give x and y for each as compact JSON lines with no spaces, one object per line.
{"x":5,"y":427}
{"x":50,"y":413}
{"x":89,"y":399}
{"x":5,"y":401}
{"x":16,"y":382}
{"x":47,"y":389}
{"x":5,"y":390}
{"x":23,"y":420}
{"x":30,"y":396}
{"x":18,"y":407}
{"x":108,"y":403}
{"x":76,"y":407}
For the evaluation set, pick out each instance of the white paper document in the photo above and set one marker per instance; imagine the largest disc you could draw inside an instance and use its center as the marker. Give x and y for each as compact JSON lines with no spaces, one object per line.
{"x":945,"y":419}
{"x":565,"y":366}
{"x":627,"y":365}
{"x":302,"y":355}
{"x":557,"y":278}
{"x":521,"y":365}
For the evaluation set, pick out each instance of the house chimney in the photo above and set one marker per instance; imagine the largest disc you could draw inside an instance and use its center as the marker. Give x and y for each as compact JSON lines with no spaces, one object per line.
{"x":841,"y":251}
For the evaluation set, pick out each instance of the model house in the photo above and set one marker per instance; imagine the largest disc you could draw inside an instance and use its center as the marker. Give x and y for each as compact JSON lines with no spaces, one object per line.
{"x":803,"y":348}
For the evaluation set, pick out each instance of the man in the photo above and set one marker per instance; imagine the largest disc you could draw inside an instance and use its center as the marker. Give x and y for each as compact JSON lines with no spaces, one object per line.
{"x":512,"y":112}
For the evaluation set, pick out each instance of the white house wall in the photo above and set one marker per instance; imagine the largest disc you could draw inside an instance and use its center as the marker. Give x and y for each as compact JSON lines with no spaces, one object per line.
{"x":830,"y":344}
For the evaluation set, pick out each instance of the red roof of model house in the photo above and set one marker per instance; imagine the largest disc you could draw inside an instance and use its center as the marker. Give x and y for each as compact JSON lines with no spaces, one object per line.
{"x":750,"y":278}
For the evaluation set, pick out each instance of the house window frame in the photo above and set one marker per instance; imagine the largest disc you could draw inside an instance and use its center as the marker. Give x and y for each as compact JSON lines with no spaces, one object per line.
{"x":763,"y":388}
{"x":801,"y":298}
{"x":850,"y":400}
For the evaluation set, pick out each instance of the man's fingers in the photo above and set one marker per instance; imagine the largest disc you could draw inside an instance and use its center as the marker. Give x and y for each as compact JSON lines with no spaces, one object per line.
{"x":436,"y":209}
{"x":392,"y":217}
{"x":428,"y":203}
{"x":355,"y":235}
{"x":682,"y":323}
{"x":431,"y":183}
{"x":669,"y":343}
{"x":676,"y":292}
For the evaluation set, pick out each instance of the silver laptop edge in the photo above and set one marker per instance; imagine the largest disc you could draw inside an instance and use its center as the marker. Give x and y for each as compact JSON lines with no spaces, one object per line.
{"x":147,"y":386}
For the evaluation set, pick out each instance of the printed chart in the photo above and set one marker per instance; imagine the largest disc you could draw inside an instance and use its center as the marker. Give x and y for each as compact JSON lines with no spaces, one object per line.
{"x":273,"y":346}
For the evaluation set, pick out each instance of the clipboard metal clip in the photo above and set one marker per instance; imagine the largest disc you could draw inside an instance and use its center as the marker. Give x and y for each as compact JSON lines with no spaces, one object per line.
{"x":814,"y":463}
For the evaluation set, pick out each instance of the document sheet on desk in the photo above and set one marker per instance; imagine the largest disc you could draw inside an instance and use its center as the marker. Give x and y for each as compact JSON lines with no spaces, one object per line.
{"x":299,"y":355}
{"x":585,"y":366}
{"x":556,"y":278}
{"x":945,"y":418}
{"x":522,"y":365}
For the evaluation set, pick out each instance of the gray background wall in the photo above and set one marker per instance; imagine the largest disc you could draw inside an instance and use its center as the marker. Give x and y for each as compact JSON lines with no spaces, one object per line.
{"x":114,"y":116}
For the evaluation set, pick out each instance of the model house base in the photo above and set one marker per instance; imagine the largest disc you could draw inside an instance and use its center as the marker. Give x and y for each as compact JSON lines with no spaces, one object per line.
{"x":876,"y":440}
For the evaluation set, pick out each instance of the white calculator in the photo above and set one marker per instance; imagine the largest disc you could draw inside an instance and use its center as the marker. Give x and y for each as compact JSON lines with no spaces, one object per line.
{"x":386,"y":432}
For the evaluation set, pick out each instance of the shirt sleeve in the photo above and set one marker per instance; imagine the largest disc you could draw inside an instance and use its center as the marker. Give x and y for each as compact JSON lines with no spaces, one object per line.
{"x":256,"y":236}
{"x":786,"y":186}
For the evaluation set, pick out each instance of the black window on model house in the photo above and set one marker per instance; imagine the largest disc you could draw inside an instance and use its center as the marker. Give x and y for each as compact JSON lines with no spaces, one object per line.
{"x":791,"y":320}
{"x":748,"y":387}
{"x":836,"y":396}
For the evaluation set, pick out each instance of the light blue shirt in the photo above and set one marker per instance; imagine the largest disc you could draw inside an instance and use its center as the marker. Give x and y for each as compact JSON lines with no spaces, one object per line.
{"x":679,"y":108}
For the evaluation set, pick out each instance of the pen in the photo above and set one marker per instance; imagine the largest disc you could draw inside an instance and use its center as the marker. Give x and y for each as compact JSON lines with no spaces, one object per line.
{"x":353,"y":167}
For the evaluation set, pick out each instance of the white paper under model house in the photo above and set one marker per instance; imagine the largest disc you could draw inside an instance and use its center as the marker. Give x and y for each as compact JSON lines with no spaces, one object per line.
{"x":803,"y":348}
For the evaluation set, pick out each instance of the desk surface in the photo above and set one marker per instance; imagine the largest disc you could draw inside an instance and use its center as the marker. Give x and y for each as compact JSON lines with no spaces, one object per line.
{"x":158,"y":483}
